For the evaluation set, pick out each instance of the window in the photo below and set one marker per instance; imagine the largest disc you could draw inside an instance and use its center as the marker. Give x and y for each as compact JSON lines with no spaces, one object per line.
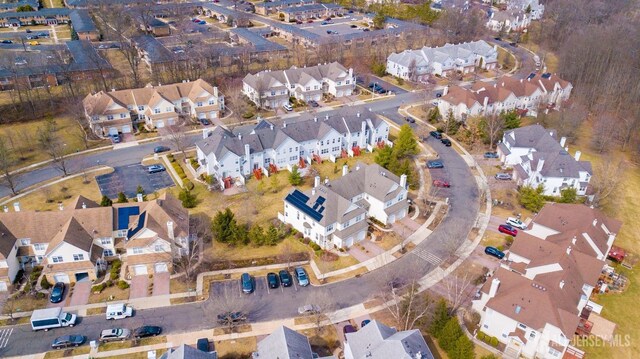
{"x":158,"y":248}
{"x":199,"y":104}
{"x":105,"y":241}
{"x":122,"y":115}
{"x":57,"y":259}
{"x":156,"y":110}
{"x":137,"y":250}
{"x":553,"y":352}
{"x":212,"y":102}
{"x":140,"y":108}
{"x":324,"y":151}
{"x":78,"y":257}
{"x":273,"y":93}
{"x":169,"y":109}
{"x":40,"y":246}
{"x":293,"y":158}
{"x":25,"y":242}
{"x":307,"y":88}
{"x":107,"y":253}
{"x":348,"y":81}
{"x":339,"y":83}
{"x":109,"y":117}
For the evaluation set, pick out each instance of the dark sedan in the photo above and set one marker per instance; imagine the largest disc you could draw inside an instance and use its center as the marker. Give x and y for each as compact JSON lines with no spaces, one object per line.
{"x":57,"y":293}
{"x":147,"y":331}
{"x":272,"y":279}
{"x":446,"y":142}
{"x":313,"y":103}
{"x":435,"y":134}
{"x":285,"y":278}
{"x":66,"y":341}
{"x":491,"y":155}
{"x":160,"y":149}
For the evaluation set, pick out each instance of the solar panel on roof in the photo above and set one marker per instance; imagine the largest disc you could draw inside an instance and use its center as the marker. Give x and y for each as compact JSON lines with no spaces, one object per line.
{"x":321,"y":199}
{"x":315,"y":206}
{"x":123,"y":216}
{"x":321,"y":210}
{"x":301,"y":196}
{"x":297,"y":202}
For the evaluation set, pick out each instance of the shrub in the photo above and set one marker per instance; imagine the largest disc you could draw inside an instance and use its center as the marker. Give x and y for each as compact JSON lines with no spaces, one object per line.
{"x":98,"y":288}
{"x":114,"y":273}
{"x":194,"y":163}
{"x":315,"y":246}
{"x":493,"y":342}
{"x":188,"y":199}
{"x":110,"y":282}
{"x":171,"y":158}
{"x":44,"y":283}
{"x":247,"y":115}
{"x":123,"y":285}
{"x":188,"y":185}
{"x":40,"y":295}
{"x":306,"y":240}
{"x":179,"y":170}
{"x":509,"y":240}
{"x":481,"y":335}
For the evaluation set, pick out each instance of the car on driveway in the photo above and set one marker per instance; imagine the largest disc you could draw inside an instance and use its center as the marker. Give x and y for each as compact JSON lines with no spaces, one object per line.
{"x":204,"y":121}
{"x":514,"y":222}
{"x":435,"y":134}
{"x":492,"y":251}
{"x":111,"y":335}
{"x":301,"y":276}
{"x":410,"y":119}
{"x":364,"y":323}
{"x":247,"y":283}
{"x":446,"y":142}
{"x":441,"y":183}
{"x":491,"y":155}
{"x":507,"y":229}
{"x":147,"y":331}
{"x":66,"y":341}
{"x":435,"y":164}
{"x":155,"y":169}
{"x":160,"y":149}
{"x":313,"y":103}
{"x":57,"y":293}
{"x":308,"y":309}
{"x":503,"y":176}
{"x":115,"y":138}
{"x":287,"y":107}
{"x":233,"y":317}
{"x":285,"y":278}
{"x":272,"y":279}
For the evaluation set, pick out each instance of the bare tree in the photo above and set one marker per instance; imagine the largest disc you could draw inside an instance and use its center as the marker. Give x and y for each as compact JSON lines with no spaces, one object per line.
{"x":323,"y":304}
{"x":457,"y":287}
{"x":493,"y":126}
{"x":177,"y":136}
{"x":51,"y":143}
{"x":7,"y":163}
{"x":186,"y":260}
{"x":403,"y":302}
{"x":606,"y":180}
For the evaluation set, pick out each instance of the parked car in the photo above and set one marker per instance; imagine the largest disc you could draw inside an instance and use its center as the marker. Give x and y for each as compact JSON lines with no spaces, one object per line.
{"x":366,"y":29}
{"x":285,"y":278}
{"x":298,"y":22}
{"x":309,"y":21}
{"x":115,"y":138}
{"x":155,"y":168}
{"x":111,"y":335}
{"x":441,"y":183}
{"x":435,"y":134}
{"x":33,"y":43}
{"x":233,"y":317}
{"x":28,"y":31}
{"x":503,"y":176}
{"x":491,"y":155}
{"x":514,"y":44}
{"x":324,"y":23}
{"x":204,"y":121}
{"x":353,"y":26}
{"x":272,"y":280}
{"x":348,"y":329}
{"x":507,"y":229}
{"x":377,"y":88}
{"x":435,"y":164}
{"x":309,"y":308}
{"x":287,"y":107}
{"x":364,"y":322}
{"x":7,"y":42}
{"x":301,"y":275}
{"x":57,"y":293}
{"x":492,"y":251}
{"x":203,"y":345}
{"x":438,"y":94}
{"x":497,"y":38}
{"x":33,"y":37}
{"x":247,"y":283}
{"x":147,"y":331}
{"x":514,"y":222}
{"x":410,"y":119}
{"x":66,"y":341}
{"x":446,"y":142}
{"x":43,"y":34}
{"x":160,"y":149}
{"x":313,"y":103}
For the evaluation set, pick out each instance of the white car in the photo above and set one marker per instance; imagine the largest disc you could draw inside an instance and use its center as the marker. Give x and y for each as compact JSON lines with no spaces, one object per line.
{"x":514,"y":222}
{"x":287,"y":107}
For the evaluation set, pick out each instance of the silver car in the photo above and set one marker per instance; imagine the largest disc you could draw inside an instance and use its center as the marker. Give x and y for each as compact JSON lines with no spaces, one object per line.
{"x":503,"y":176}
{"x":111,"y":335}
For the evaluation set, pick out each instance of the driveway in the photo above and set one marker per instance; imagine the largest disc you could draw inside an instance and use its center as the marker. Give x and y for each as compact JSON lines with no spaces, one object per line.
{"x":127,"y":178}
{"x":161,"y":283}
{"x":139,"y":286}
{"x":81,"y":291}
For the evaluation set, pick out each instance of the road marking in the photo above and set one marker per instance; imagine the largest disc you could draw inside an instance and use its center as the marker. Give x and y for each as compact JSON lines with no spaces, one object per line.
{"x":265,"y":280}
{"x":423,"y":253}
{"x":4,"y":337}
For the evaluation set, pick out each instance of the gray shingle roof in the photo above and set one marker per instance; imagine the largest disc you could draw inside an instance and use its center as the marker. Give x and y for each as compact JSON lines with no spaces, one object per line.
{"x":187,"y":352}
{"x":82,"y":21}
{"x":284,"y":343}
{"x":377,"y":341}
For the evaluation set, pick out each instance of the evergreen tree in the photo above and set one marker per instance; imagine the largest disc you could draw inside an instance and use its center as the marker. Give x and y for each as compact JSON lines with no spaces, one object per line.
{"x":463,"y":349}
{"x":240,"y":235}
{"x":440,"y":318}
{"x":122,"y":198}
{"x":106,"y":201}
{"x":406,"y":144}
{"x":532,"y":198}
{"x":272,"y":235}
{"x":256,"y":235}
{"x":294,"y":177}
{"x":188,"y":198}
{"x":223,"y":225}
{"x":434,"y":115}
{"x":384,"y":156}
{"x":450,"y":334}
{"x":379,"y":20}
{"x":274,"y":183}
{"x":511,"y":120}
{"x":568,"y":195}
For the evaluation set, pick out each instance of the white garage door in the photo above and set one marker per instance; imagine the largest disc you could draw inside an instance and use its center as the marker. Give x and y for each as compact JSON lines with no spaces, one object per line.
{"x":126,"y":129}
{"x":213,"y":114}
{"x":113,"y":130}
{"x":349,"y":242}
{"x":3,"y":287}
{"x":392,"y":218}
{"x":64,"y":278}
{"x":140,"y":270}
{"x":202,"y":115}
{"x":171,"y":121}
{"x":159,"y":124}
{"x":161,"y":267}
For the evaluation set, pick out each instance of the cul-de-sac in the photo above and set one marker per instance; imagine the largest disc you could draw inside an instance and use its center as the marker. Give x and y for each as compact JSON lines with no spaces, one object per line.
{"x":335,"y":179}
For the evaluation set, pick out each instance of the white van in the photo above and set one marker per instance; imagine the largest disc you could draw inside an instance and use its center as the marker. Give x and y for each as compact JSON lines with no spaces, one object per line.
{"x":118,"y":311}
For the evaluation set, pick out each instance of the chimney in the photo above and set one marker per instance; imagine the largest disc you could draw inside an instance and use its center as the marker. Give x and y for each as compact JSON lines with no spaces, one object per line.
{"x":316,"y":181}
{"x":247,"y":152}
{"x":595,"y":221}
{"x":566,"y":148}
{"x":60,"y":206}
{"x":403,"y":181}
{"x":284,"y":124}
{"x":419,"y":355}
{"x":486,"y":102}
{"x":315,"y":119}
{"x":326,"y":181}
{"x":239,"y":136}
{"x":84,"y":205}
{"x":540,"y":165}
{"x":561,"y":284}
{"x":573,"y":240}
{"x":313,"y":191}
{"x":495,"y":283}
{"x":326,"y":117}
{"x":568,"y":250}
{"x":445,"y":90}
{"x":139,"y":197}
{"x":271,"y":127}
{"x":563,"y":140}
{"x":577,"y":155}
{"x":215,"y":92}
{"x":345,"y":170}
{"x":358,"y":114}
{"x":170,"y":230}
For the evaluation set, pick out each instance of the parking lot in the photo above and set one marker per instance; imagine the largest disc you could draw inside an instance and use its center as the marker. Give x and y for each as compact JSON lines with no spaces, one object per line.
{"x":340,"y":25}
{"x":233,"y":288}
{"x":127,"y":178}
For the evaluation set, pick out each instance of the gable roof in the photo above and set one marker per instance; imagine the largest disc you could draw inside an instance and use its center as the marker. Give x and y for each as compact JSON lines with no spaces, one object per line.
{"x":274,"y":80}
{"x":377,"y":341}
{"x":187,"y":352}
{"x":284,"y":343}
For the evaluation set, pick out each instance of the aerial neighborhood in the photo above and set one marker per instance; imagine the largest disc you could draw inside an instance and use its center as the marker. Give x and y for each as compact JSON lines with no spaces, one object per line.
{"x":309,"y":179}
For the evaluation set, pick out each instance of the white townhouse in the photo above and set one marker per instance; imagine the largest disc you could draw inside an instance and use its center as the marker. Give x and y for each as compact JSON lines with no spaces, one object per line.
{"x":334,"y":213}
{"x":156,"y":106}
{"x":539,"y":298}
{"x":268,"y":147}
{"x":376,"y":340}
{"x":528,"y":96}
{"x":272,"y":89}
{"x":539,"y":159}
{"x":443,"y":61}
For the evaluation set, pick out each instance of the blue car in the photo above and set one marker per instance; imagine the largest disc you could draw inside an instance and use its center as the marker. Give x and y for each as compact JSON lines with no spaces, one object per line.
{"x":57,"y":293}
{"x":247,"y":283}
{"x":435,"y":164}
{"x":492,"y":251}
{"x":301,"y":275}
